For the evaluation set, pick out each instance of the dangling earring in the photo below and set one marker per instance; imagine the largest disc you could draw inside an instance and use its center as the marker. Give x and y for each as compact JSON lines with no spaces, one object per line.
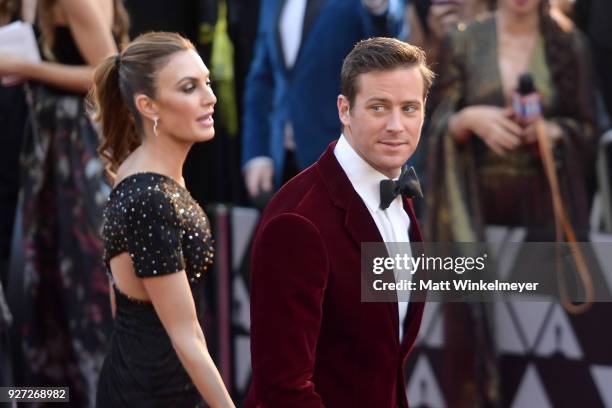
{"x":155,"y":126}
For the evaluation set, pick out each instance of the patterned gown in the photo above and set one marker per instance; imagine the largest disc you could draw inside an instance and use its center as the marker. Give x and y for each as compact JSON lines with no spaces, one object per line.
{"x":64,"y":319}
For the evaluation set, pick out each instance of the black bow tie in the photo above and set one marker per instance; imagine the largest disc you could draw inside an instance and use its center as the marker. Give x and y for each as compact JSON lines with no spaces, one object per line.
{"x":407,"y":185}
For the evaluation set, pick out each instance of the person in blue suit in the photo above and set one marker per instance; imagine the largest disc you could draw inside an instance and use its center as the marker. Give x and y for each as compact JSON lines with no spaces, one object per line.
{"x":290,"y":94}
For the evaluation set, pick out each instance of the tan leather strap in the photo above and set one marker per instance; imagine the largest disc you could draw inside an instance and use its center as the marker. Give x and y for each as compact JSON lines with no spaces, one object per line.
{"x":563,"y":228}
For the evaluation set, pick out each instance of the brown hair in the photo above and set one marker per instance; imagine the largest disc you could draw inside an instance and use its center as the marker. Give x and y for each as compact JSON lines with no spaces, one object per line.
{"x":9,"y":9}
{"x":117,"y":79}
{"x":381,"y":54}
{"x":47,"y":26}
{"x":561,"y":60}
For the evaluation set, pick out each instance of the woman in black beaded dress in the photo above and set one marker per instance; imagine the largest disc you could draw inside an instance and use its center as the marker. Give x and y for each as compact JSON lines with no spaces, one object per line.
{"x":154,"y":102}
{"x":62,"y":318}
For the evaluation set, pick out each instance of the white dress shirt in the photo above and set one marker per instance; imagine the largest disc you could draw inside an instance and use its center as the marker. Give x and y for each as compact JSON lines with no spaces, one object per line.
{"x":291,"y":26}
{"x":393,"y":223}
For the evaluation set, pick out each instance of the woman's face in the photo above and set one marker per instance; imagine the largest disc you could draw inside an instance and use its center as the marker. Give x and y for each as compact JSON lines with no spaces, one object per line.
{"x":185,"y":101}
{"x":520,"y":6}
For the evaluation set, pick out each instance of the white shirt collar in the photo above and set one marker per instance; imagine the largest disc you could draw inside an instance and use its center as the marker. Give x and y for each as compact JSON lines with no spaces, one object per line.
{"x":364,"y":178}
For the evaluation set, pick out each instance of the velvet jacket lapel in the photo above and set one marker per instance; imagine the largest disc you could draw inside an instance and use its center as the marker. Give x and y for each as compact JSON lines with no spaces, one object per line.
{"x":357,"y":221}
{"x":415,"y":309}
{"x":313,"y":7}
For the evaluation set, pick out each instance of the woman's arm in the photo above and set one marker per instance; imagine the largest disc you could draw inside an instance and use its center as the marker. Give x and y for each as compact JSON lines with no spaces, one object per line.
{"x":90,"y":24}
{"x":70,"y":78}
{"x":93,"y":37}
{"x":173,"y":302}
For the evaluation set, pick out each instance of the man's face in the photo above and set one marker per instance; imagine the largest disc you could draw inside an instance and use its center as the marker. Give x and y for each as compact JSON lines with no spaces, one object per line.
{"x":384,"y":124}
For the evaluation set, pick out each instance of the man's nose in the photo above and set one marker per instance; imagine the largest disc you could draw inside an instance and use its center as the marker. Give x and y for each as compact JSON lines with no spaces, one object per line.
{"x":394,"y":124}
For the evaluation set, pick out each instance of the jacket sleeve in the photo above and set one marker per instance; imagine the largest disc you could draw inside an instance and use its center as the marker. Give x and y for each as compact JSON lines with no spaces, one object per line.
{"x":579,"y":125}
{"x":288,"y":281}
{"x":259,"y":92}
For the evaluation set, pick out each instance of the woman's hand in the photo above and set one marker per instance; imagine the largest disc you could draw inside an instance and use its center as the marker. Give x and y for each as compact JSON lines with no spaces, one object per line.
{"x":9,"y":64}
{"x":441,"y":18}
{"x":552,"y":130}
{"x":11,"y":69}
{"x":492,"y":124}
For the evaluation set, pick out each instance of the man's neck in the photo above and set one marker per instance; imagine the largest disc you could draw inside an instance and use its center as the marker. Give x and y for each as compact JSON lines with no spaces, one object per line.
{"x":390,"y":173}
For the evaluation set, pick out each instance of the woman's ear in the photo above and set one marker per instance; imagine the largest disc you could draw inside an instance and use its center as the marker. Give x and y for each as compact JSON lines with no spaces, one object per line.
{"x":146,"y":106}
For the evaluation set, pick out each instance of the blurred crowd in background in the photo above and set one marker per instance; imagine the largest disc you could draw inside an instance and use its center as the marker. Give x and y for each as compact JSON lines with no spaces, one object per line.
{"x":275,"y":68}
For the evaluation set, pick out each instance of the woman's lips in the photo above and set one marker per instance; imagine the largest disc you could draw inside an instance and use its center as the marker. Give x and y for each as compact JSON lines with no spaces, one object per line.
{"x":206,"y":120}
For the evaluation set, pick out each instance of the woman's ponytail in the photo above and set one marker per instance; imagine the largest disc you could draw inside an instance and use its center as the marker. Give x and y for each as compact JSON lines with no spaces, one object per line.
{"x":119,"y":137}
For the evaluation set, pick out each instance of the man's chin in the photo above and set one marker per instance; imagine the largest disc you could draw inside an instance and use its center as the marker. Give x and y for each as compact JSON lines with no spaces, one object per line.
{"x":391,"y":170}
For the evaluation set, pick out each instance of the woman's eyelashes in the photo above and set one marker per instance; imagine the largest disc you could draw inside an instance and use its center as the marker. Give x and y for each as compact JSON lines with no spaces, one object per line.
{"x":192,"y":86}
{"x":189,"y":88}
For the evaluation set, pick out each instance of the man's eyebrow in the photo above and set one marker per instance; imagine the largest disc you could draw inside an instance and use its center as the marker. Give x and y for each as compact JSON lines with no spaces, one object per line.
{"x":381,"y":99}
{"x":377,"y":99}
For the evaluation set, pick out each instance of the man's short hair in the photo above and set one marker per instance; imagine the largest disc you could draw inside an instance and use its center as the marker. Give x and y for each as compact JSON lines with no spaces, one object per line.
{"x":381,"y":54}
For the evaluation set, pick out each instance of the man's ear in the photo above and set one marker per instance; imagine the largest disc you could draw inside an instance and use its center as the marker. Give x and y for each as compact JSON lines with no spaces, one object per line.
{"x":146,"y":106}
{"x":344,"y":110}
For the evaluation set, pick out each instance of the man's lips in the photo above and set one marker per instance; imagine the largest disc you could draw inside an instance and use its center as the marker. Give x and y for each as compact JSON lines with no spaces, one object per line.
{"x":392,"y":143}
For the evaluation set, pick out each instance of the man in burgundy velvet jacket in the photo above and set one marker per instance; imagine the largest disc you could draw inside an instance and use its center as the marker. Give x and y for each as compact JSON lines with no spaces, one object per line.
{"x":314,"y":343}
